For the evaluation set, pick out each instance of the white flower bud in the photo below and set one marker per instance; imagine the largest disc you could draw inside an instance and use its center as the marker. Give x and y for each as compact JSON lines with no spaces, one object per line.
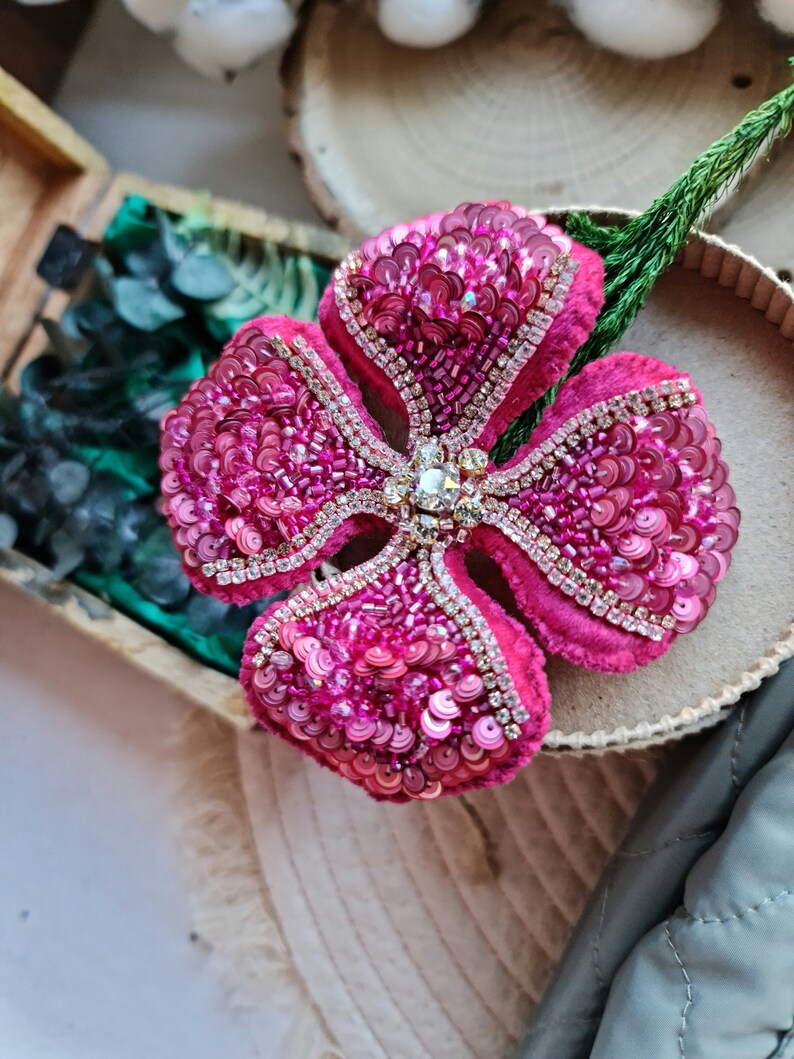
{"x":158,"y":15}
{"x":220,"y":37}
{"x":645,"y":29}
{"x":779,"y":12}
{"x":426,"y":23}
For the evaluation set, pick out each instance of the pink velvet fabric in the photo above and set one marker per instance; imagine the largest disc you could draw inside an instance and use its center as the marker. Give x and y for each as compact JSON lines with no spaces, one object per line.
{"x":562,"y":627}
{"x":549,"y":363}
{"x":235,"y":488}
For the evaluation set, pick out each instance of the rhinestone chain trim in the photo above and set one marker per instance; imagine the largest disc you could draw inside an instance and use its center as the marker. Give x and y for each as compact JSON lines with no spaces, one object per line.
{"x":502,"y":696}
{"x":329,"y":593}
{"x":492,"y":391}
{"x":574,"y":582}
{"x":670,"y":394}
{"x":323,"y":384}
{"x":291,"y":555}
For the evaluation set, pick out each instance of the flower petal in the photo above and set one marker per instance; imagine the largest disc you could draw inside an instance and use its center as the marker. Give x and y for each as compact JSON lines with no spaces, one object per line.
{"x":615,"y":524}
{"x":269,"y":463}
{"x":472,"y":314}
{"x":393,"y":677}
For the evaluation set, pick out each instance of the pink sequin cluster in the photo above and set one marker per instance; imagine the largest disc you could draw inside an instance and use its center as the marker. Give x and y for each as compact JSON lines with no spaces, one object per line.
{"x":613,"y":526}
{"x":250,"y":456}
{"x":644,"y":508}
{"x":383,"y":688}
{"x":449,"y":291}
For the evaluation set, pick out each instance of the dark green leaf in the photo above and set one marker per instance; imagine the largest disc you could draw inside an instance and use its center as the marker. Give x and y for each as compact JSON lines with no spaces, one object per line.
{"x":207,"y":614}
{"x":68,"y":552}
{"x":142,"y":305}
{"x":174,"y":244}
{"x":153,"y":405}
{"x":87,"y":319}
{"x":150,"y":262}
{"x":202,"y":276}
{"x":39,"y":376}
{"x":63,"y":346}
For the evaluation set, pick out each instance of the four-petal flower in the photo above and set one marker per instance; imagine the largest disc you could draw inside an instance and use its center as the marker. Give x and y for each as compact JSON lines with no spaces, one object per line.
{"x":612,"y":525}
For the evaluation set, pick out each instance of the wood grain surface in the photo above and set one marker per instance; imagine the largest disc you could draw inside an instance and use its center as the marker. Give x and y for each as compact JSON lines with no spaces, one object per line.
{"x":523,"y":108}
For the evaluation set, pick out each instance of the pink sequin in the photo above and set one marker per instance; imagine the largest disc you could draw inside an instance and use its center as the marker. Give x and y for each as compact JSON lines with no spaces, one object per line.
{"x":449,"y":292}
{"x":656,"y":530}
{"x":404,"y":676}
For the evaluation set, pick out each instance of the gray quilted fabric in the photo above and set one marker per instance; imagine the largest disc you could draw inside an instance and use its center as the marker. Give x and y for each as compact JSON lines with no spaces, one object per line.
{"x":686,"y":949}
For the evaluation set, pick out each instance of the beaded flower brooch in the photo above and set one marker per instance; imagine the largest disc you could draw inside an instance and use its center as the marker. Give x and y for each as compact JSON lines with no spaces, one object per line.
{"x":612,"y":525}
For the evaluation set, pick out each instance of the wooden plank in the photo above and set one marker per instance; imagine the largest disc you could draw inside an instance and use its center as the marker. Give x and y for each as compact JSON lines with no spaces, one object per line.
{"x":52,"y":138}
{"x":201,"y":686}
{"x":92,"y":214}
{"x":48,"y":176}
{"x":30,"y":210}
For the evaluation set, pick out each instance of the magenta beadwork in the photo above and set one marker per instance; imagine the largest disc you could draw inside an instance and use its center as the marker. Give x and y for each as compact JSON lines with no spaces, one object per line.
{"x":269,"y":456}
{"x":381,"y":686}
{"x":613,"y":525}
{"x":450,"y":291}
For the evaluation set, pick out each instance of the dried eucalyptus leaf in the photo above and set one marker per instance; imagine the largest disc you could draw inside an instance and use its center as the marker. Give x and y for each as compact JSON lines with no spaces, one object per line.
{"x":174,"y":245}
{"x":201,"y":275}
{"x":150,"y":262}
{"x":153,"y":405}
{"x":8,"y":530}
{"x":103,"y":270}
{"x":69,"y":480}
{"x":63,"y":346}
{"x":136,"y":522}
{"x":11,"y":467}
{"x":143,"y":305}
{"x":158,"y":570}
{"x":87,"y":319}
{"x":40,"y":375}
{"x":206,"y":614}
{"x":68,"y":552}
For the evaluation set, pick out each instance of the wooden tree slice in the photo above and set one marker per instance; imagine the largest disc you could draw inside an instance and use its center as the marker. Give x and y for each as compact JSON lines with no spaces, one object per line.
{"x":761,"y":220}
{"x":523,"y":107}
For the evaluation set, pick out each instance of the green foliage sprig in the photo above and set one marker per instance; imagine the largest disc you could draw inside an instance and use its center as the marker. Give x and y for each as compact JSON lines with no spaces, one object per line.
{"x":636,"y":254}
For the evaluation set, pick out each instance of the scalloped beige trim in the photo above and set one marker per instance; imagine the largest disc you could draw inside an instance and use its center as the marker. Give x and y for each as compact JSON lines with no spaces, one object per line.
{"x":730,"y":267}
{"x":707,"y":712}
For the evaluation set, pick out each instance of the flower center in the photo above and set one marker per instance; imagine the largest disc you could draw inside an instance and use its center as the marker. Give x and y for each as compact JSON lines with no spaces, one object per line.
{"x":436,"y":487}
{"x":439,"y":492}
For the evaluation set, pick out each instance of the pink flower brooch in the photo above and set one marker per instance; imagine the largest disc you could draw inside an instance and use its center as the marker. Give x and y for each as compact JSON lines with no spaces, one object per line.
{"x":612,"y":525}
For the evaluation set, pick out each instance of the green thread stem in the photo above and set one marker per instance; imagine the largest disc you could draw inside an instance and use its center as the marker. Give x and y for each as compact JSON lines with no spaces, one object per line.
{"x":636,"y":254}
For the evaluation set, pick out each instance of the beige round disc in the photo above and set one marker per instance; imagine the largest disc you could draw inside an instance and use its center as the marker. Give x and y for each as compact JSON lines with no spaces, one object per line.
{"x":523,"y":107}
{"x":391,"y":931}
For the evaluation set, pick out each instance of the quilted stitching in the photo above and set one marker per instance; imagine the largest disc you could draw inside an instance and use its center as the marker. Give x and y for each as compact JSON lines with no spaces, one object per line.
{"x":676,"y":837}
{"x":724,"y":987}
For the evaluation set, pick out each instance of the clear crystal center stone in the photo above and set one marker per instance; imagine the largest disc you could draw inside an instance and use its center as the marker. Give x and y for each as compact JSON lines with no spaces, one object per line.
{"x":436,"y":487}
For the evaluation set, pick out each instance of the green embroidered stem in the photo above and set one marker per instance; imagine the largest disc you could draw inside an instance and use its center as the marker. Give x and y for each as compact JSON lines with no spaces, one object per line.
{"x":636,"y":254}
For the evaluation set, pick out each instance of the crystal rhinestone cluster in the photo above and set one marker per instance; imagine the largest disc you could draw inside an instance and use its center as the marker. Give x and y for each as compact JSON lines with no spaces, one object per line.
{"x":438,"y":492}
{"x":402,"y":673}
